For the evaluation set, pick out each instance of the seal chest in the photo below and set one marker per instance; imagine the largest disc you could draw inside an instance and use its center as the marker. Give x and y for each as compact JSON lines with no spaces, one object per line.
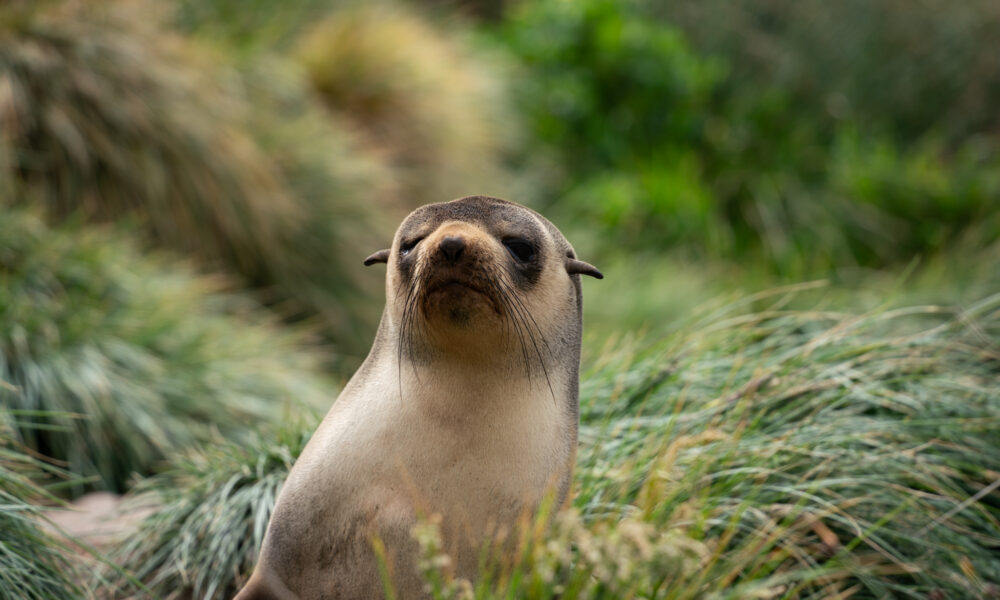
{"x":466,"y":406}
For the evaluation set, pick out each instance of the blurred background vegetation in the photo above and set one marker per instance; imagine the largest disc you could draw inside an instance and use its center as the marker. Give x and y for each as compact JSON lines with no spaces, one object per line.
{"x":187,"y":190}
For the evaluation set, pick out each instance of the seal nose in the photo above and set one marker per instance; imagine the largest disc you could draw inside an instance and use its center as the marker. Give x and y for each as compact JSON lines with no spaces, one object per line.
{"x":452,"y":248}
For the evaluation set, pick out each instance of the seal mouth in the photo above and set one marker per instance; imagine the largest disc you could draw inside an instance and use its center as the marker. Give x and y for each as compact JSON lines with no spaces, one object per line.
{"x":453,"y":284}
{"x":459,"y":291}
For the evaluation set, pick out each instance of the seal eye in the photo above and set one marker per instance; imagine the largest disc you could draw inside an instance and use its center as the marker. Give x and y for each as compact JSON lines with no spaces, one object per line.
{"x":520,"y":249}
{"x":405,"y":247}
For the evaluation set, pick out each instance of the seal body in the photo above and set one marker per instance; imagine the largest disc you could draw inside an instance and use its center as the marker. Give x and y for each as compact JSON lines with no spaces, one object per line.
{"x":466,"y":407}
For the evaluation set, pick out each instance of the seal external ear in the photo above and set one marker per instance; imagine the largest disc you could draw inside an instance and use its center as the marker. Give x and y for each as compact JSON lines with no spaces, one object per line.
{"x":574,"y":266}
{"x":382,"y":256}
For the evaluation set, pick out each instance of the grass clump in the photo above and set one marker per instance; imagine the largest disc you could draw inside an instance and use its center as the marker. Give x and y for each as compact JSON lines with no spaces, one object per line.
{"x":816,"y":454}
{"x":133,"y":358}
{"x":429,"y":102}
{"x":316,"y":270}
{"x":767,"y":453}
{"x":107,"y":114}
{"x":31,"y":561}
{"x":110,"y":115}
{"x":568,"y":558}
{"x":217,"y":504}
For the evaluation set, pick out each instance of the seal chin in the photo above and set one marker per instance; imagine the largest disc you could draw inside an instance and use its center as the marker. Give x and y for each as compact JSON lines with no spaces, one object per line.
{"x":457,"y":302}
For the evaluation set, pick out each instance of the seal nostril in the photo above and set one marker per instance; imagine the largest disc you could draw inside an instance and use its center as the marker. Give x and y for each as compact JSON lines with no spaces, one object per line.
{"x":452,"y":247}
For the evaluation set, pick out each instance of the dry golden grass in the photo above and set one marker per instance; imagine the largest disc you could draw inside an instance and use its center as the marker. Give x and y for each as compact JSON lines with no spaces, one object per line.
{"x":423,"y":97}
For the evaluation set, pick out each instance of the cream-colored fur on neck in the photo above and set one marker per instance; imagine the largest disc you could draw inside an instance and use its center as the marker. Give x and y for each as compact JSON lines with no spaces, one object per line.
{"x":475,"y":448}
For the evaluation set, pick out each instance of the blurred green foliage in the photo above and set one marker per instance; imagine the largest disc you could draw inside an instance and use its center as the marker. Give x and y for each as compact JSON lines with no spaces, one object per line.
{"x":248,"y":26}
{"x":893,"y":67}
{"x":664,"y":145}
{"x":607,"y":86}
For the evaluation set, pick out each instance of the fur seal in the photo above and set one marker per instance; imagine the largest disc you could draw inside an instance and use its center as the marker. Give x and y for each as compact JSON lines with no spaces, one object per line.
{"x":466,"y":406}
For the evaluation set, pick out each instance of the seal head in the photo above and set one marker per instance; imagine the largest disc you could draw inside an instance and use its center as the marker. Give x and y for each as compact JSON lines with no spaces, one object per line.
{"x":467,"y":275}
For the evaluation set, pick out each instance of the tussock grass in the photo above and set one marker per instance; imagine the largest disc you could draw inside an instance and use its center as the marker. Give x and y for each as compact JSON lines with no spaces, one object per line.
{"x":133,"y":358}
{"x":31,"y":561}
{"x":315,"y":273}
{"x":815,"y":454}
{"x":423,"y":96}
{"x":763,"y":453}
{"x":217,"y":503}
{"x":109,"y":115}
{"x":106,"y":114}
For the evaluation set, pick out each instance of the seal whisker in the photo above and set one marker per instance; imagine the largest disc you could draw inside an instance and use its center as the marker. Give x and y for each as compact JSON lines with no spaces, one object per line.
{"x":399,"y":344}
{"x":514,"y":321}
{"x":412,"y":322}
{"x":525,"y":311}
{"x":502,"y":309}
{"x":520,"y":324}
{"x":405,"y":336}
{"x":525,"y":316}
